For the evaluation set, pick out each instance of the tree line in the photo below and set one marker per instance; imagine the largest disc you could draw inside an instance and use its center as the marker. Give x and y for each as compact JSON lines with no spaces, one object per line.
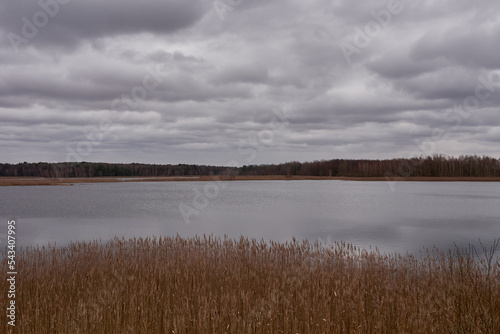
{"x":435,"y":166}
{"x":94,"y":169}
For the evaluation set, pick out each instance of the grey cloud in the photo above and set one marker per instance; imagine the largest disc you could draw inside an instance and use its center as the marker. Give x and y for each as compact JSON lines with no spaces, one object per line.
{"x":221,"y":80}
{"x":461,"y":45}
{"x":42,"y":87}
{"x":253,"y":74}
{"x":134,"y":56}
{"x":179,"y":56}
{"x":81,"y":20}
{"x":401,"y":66}
{"x":452,"y":83}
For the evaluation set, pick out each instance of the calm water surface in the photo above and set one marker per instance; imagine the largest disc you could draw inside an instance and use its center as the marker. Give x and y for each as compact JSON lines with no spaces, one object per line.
{"x":409,"y":217}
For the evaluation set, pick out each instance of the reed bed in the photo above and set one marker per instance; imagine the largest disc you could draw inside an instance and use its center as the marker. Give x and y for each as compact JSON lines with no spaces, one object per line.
{"x":220,"y":285}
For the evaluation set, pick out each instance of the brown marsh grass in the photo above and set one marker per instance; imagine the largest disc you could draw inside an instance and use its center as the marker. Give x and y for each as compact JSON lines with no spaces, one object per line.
{"x":213,"y":285}
{"x":26,"y":181}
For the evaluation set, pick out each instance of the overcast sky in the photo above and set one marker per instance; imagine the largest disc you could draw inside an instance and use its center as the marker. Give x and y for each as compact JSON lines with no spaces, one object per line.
{"x":247,"y":81}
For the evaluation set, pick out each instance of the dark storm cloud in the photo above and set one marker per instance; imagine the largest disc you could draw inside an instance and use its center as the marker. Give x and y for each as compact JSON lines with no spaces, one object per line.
{"x":461,"y":45}
{"x":69,"y":22}
{"x":174,"y":76}
{"x":401,"y":66}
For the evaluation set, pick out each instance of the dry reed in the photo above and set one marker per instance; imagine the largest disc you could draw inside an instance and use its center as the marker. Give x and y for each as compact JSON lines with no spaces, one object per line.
{"x":213,"y":285}
{"x":21,"y":181}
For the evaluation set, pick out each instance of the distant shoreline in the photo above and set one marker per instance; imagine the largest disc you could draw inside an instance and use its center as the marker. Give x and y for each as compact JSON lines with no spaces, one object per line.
{"x":32,"y":181}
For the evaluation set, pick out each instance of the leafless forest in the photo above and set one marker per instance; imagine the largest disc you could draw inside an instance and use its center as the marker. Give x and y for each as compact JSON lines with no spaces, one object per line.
{"x":435,"y":166}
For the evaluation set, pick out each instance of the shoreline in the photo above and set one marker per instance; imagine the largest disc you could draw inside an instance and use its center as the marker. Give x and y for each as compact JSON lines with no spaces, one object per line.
{"x":32,"y":181}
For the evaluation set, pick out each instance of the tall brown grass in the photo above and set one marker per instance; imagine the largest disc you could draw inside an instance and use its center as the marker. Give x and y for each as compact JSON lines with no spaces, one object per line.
{"x":21,"y":181}
{"x":212,"y":285}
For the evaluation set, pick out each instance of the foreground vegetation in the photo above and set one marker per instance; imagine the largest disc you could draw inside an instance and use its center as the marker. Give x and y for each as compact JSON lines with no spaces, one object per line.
{"x":211,"y":285}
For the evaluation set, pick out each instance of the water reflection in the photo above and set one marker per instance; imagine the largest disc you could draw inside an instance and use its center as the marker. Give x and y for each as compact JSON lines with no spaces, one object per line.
{"x":416,"y":215}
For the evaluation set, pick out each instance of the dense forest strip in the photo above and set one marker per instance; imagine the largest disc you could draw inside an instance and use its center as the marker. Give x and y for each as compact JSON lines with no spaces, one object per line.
{"x":435,"y":166}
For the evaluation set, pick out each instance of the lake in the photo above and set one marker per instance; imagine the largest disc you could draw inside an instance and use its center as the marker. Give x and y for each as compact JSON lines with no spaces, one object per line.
{"x":405,"y":218}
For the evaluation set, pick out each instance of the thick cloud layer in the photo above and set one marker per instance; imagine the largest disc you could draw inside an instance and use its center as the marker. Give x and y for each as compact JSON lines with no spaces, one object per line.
{"x":247,"y":82}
